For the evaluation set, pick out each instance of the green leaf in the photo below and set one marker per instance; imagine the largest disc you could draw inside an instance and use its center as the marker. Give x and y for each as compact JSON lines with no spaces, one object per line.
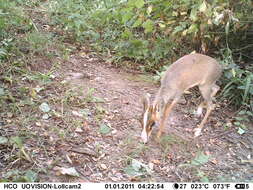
{"x":98,"y":100}
{"x":177,"y":29}
{"x":227,"y":28}
{"x":247,"y":88}
{"x":1,"y":92}
{"x":240,"y":131}
{"x":131,"y":3}
{"x":126,"y":34}
{"x":193,"y":15}
{"x":193,"y":28}
{"x":202,"y":176}
{"x":162,"y":25}
{"x":3,"y":140}
{"x":131,"y":171}
{"x":11,"y":174}
{"x":149,"y":10}
{"x":137,"y":23}
{"x":31,"y":176}
{"x":249,"y":113}
{"x":239,"y":118}
{"x":203,"y":7}
{"x":44,"y":107}
{"x":200,"y":159}
{"x":174,"y":13}
{"x":136,"y":165}
{"x":139,"y":3}
{"x":148,"y":26}
{"x":104,"y":129}
{"x":126,"y":17}
{"x":136,"y":168}
{"x":204,"y":179}
{"x":17,"y":141}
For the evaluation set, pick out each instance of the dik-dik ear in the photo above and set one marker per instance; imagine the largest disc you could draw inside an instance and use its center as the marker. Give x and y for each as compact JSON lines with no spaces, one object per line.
{"x":146,"y":101}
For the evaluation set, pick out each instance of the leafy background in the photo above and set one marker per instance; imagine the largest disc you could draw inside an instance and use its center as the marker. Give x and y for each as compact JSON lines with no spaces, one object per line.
{"x":148,"y":35}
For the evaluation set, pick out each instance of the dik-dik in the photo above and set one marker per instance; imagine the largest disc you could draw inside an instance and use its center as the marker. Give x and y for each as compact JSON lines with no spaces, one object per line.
{"x":188,"y":71}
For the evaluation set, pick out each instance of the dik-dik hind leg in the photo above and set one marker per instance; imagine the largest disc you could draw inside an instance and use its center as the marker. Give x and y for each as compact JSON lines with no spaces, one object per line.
{"x":166,"y":112}
{"x":215,"y":88}
{"x":208,"y":92}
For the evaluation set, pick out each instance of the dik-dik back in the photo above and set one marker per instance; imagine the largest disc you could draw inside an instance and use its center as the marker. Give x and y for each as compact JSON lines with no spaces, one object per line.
{"x":188,"y":71}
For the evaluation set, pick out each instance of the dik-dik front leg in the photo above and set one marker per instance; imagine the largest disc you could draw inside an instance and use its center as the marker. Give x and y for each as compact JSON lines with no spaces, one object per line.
{"x":166,"y":112}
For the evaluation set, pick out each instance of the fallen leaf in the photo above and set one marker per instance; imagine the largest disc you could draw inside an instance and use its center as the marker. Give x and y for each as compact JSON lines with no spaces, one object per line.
{"x":38,"y":89}
{"x":78,"y":130}
{"x":44,"y":107}
{"x":188,"y":129}
{"x":104,"y":129}
{"x":38,"y":124}
{"x":69,"y":160}
{"x":3,"y":140}
{"x":156,"y":161}
{"x":2,"y":92}
{"x":45,"y":116}
{"x":31,"y":176}
{"x":103,"y":166}
{"x":170,"y":156}
{"x":50,"y":162}
{"x":114,"y":131}
{"x":67,"y":171}
{"x":240,"y":131}
{"x":76,"y":113}
{"x":151,"y":165}
{"x":214,"y":161}
{"x":200,"y":159}
{"x":137,"y":168}
{"x":9,"y":114}
{"x":208,"y":153}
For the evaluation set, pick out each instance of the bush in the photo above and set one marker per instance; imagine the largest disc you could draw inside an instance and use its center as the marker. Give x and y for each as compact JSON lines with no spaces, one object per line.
{"x":154,"y":33}
{"x":238,"y":82}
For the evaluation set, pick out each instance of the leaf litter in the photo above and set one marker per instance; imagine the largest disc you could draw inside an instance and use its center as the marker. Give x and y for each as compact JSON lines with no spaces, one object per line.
{"x":101,"y":135}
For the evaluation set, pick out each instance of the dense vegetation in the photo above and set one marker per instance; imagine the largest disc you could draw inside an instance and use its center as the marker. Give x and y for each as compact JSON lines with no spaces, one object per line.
{"x":143,"y":34}
{"x":151,"y":34}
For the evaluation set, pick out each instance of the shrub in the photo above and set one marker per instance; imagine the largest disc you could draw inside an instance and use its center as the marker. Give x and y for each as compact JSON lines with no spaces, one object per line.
{"x":151,"y":34}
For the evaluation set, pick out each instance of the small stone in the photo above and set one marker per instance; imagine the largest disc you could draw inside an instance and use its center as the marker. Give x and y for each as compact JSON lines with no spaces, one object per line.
{"x":78,"y":130}
{"x":103,"y":166}
{"x":151,"y":165}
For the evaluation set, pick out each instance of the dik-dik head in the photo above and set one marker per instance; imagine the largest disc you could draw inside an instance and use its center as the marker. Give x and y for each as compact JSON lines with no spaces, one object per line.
{"x":150,"y":117}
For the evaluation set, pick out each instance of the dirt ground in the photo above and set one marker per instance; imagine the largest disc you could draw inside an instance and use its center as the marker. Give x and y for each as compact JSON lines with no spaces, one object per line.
{"x":113,"y":99}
